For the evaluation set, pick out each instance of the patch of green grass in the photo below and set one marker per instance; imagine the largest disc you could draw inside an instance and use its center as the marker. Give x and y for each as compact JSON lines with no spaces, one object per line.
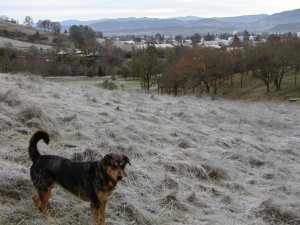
{"x":255,"y":89}
{"x":131,"y":85}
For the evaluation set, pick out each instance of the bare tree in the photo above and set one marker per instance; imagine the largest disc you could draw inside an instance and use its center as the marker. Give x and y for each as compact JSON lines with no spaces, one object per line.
{"x":28,"y":21}
{"x":263,"y":65}
{"x":55,"y":27}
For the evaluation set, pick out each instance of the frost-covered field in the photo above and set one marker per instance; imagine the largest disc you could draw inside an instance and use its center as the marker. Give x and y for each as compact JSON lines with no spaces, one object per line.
{"x":195,"y":160}
{"x":21,"y":44}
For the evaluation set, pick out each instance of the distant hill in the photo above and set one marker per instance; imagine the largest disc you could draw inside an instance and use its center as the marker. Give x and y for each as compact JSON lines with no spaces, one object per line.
{"x":290,"y":27}
{"x":186,"y":18}
{"x":279,"y":22}
{"x":243,"y":19}
{"x":163,"y":26}
{"x":286,"y":17}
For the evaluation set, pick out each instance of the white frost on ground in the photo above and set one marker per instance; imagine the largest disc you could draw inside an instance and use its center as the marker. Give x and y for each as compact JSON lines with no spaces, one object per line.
{"x":195,"y":160}
{"x":22,"y":44}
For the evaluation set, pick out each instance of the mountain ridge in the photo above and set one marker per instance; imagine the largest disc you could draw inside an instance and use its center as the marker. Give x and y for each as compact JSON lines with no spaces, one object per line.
{"x":188,"y":25}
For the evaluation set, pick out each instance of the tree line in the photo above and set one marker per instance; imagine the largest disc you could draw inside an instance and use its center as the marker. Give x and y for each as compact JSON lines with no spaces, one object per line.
{"x":178,"y":70}
{"x":193,"y":69}
{"x":96,"y":58}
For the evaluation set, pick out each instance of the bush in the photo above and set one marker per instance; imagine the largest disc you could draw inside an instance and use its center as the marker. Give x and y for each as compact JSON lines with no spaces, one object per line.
{"x":113,"y":77}
{"x":91,"y":73}
{"x":4,"y":33}
{"x":34,"y":37}
{"x":110,"y":85}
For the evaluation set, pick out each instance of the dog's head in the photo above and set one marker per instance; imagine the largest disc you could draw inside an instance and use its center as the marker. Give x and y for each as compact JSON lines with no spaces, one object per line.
{"x":115,"y":166}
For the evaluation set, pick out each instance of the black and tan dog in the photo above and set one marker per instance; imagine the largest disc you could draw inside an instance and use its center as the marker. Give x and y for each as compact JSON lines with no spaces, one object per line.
{"x":90,"y":181}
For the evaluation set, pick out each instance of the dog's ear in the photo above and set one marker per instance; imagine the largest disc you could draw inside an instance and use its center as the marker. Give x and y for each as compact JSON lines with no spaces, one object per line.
{"x":107,"y":159}
{"x":126,"y":159}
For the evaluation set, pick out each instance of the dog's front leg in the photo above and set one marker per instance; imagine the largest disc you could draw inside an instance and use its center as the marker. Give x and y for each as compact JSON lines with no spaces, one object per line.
{"x":102,"y":212}
{"x":95,"y":208}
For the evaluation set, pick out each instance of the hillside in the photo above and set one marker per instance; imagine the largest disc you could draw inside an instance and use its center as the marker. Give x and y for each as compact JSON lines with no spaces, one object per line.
{"x":289,"y":27}
{"x":194,"y":160}
{"x":22,"y":37}
{"x":13,"y":27}
{"x":22,"y":45}
{"x":286,"y":17}
{"x":254,"y":89}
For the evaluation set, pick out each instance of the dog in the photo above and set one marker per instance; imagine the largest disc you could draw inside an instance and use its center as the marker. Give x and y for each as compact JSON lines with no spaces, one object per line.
{"x":91,"y":181}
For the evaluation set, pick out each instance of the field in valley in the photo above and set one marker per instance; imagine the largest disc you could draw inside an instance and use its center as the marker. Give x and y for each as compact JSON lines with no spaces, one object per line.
{"x":194,"y":160}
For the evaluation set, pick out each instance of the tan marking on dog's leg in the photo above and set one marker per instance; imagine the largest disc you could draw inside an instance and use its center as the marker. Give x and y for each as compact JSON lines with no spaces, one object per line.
{"x":43,"y":204}
{"x":102,"y":212}
{"x":95,"y":215}
{"x":36,"y":201}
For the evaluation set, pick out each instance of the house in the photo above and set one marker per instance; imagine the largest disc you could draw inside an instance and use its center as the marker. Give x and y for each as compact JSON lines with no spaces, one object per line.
{"x":61,"y":54}
{"x":131,"y":42}
{"x":216,"y":42}
{"x":79,"y":53}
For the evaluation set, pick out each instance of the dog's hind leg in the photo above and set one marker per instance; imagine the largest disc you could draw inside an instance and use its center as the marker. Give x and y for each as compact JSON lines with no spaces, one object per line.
{"x":41,"y":202}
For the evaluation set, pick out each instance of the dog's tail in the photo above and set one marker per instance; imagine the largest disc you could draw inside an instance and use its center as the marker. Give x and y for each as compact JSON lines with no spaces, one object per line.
{"x":32,"y":149}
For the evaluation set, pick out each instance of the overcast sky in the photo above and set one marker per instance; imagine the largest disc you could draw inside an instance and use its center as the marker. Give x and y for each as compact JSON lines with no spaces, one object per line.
{"x":58,"y":10}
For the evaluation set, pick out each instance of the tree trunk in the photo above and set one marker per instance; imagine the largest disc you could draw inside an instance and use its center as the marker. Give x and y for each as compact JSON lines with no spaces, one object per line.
{"x":207,"y":87}
{"x":175,"y":88}
{"x":242,"y":77}
{"x":148,"y":83}
{"x":268,"y":86}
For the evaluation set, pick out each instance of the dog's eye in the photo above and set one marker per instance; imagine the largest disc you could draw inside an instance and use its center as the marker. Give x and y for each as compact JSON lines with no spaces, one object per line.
{"x":114,"y":167}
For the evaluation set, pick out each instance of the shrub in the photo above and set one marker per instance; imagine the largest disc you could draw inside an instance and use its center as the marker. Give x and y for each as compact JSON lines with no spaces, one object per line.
{"x":109,"y":85}
{"x":91,"y":73}
{"x":4,"y":33}
{"x":113,"y":77}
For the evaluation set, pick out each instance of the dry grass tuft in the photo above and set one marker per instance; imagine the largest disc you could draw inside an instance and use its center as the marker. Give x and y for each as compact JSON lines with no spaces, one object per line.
{"x":30,"y":112}
{"x":87,"y":155}
{"x":277,"y":214}
{"x":15,"y":183}
{"x":256,"y":162}
{"x":34,"y":117}
{"x":184,"y":144}
{"x":10,"y":98}
{"x":215,"y":172}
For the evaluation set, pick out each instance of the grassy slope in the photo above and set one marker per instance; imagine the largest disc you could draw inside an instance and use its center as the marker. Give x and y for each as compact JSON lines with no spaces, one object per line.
{"x":255,"y":89}
{"x":21,"y":45}
{"x":195,"y":161}
{"x":12,"y":27}
{"x":21,"y":40}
